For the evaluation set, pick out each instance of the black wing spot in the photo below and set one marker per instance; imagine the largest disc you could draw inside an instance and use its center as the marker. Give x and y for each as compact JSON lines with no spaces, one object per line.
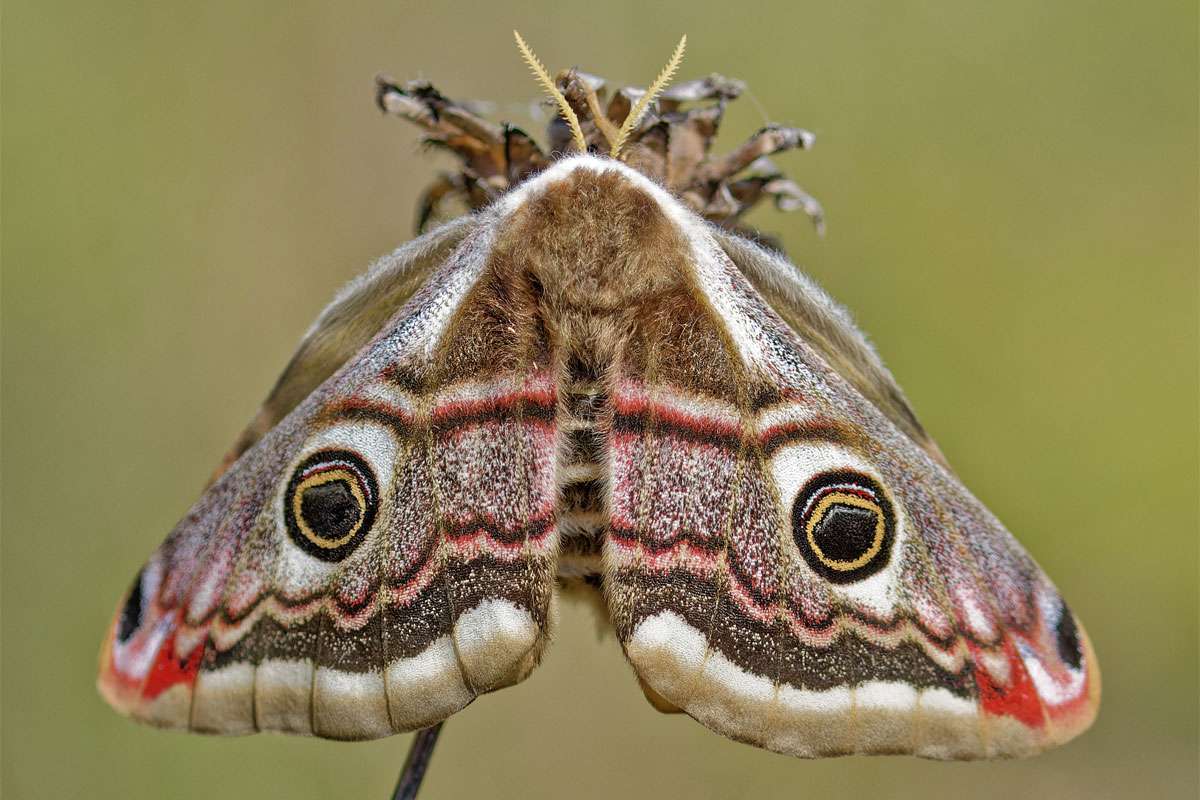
{"x":1067,"y":633}
{"x":131,"y":612}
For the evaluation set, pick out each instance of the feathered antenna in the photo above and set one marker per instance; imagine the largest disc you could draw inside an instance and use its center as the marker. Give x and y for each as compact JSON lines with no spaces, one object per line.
{"x":660,"y":83}
{"x":539,"y":72}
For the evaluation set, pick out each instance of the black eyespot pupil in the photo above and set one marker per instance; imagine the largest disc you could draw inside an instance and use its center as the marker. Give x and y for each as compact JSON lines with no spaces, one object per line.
{"x":1069,"y":649}
{"x":845,"y":533}
{"x":131,"y":612}
{"x":330,"y":509}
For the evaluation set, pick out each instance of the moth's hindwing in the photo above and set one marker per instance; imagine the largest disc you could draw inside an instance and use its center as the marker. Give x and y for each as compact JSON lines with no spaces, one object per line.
{"x":790,"y":563}
{"x":382,"y":555}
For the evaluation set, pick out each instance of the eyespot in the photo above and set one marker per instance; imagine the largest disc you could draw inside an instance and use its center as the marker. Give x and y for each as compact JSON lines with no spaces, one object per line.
{"x":330,"y":504}
{"x":843,"y":523}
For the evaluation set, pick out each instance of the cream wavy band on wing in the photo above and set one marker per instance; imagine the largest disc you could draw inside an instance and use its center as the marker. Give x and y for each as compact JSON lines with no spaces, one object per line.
{"x":493,"y":645}
{"x":874,"y":717}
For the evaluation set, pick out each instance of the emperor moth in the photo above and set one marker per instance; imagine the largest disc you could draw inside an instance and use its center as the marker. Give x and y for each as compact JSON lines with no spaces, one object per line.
{"x":599,"y":382}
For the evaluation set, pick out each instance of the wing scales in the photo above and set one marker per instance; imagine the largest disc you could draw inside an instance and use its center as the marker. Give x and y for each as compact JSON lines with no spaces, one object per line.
{"x":787,"y":559}
{"x":947,"y":652}
{"x":448,"y":594}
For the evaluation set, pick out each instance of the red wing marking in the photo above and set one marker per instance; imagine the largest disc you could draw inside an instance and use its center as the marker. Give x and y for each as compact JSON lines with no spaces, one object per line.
{"x":1019,"y":699}
{"x":169,"y":670}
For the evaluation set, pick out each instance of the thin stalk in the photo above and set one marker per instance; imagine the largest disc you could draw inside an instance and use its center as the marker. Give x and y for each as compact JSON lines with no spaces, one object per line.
{"x":416,"y":763}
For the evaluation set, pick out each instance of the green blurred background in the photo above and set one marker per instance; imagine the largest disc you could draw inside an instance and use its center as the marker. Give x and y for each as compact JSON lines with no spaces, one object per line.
{"x":1012,"y":200}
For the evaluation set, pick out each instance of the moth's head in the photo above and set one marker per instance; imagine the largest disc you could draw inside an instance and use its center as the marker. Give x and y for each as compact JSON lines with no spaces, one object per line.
{"x":666,"y":133}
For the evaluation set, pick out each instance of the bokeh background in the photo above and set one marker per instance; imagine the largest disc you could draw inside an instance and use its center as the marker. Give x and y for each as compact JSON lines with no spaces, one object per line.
{"x":1012,"y":200}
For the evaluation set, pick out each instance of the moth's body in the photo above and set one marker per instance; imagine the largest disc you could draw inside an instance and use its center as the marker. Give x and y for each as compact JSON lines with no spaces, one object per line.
{"x":602,"y":252}
{"x":593,"y":386}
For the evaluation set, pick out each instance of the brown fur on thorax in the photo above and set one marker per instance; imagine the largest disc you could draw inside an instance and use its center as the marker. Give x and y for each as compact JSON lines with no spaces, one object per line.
{"x":595,"y":241}
{"x":599,"y":250}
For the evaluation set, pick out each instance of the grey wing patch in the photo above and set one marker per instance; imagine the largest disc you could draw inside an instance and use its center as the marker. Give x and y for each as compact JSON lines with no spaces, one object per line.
{"x":828,"y":328}
{"x":345,"y":326}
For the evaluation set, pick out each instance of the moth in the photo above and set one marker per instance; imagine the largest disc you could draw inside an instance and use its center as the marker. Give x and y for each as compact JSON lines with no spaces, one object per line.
{"x":599,"y":382}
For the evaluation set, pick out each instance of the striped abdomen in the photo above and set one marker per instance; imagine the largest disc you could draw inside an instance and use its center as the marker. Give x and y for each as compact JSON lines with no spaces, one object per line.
{"x":582,"y":506}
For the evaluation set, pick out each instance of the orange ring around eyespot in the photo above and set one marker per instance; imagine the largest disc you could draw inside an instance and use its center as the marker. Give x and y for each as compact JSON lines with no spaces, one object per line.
{"x":320,"y":479}
{"x":845,"y":499}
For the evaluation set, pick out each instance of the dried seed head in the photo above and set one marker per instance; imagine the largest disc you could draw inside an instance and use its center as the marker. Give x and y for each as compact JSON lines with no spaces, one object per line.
{"x":664,"y":132}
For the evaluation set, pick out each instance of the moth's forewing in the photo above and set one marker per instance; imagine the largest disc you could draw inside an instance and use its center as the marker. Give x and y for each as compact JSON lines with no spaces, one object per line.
{"x":385,"y":552}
